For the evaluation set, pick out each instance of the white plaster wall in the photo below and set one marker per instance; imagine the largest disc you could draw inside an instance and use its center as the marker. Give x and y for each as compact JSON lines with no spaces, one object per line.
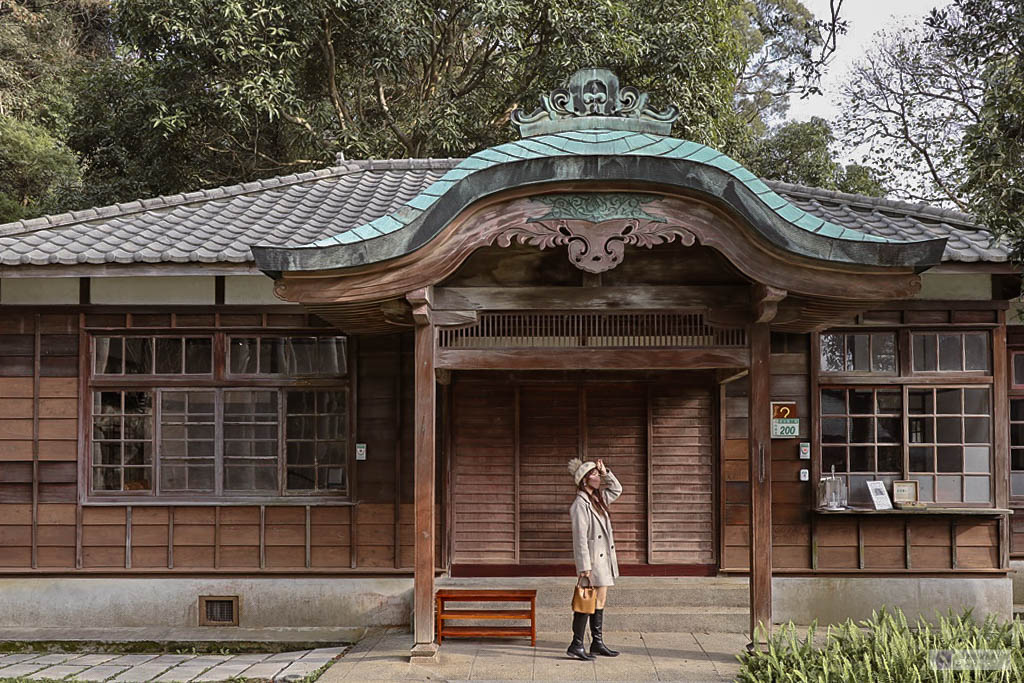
{"x":39,"y":290}
{"x":250,"y":290}
{"x":156,"y":290}
{"x":832,"y":600}
{"x":1018,"y":581}
{"x":976,"y":286}
{"x":173,"y":602}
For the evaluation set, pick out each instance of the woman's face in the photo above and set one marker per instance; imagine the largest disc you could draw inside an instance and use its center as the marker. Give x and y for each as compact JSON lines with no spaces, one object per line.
{"x":594,"y":479}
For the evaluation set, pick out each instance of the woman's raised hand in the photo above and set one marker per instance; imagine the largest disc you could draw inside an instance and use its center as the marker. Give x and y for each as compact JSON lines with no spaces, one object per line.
{"x":601,"y":468}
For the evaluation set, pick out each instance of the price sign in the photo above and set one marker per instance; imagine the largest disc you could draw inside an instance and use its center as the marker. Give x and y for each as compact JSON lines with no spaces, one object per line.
{"x":785,"y":421}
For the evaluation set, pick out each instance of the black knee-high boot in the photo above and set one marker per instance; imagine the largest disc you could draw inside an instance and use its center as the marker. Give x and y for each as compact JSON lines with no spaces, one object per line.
{"x":597,"y":646}
{"x":579,"y":627}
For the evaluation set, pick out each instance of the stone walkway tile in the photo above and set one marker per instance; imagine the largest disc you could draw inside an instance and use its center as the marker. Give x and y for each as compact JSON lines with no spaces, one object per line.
{"x":93,"y":660}
{"x":8,"y":660}
{"x":57,"y":672}
{"x":98,"y":673}
{"x":330,"y":652}
{"x":297,"y":670}
{"x":130,"y":660}
{"x":551,"y":663}
{"x":721,"y":649}
{"x":288,"y":656}
{"x":57,"y":658}
{"x":250,"y":658}
{"x":171,"y":659}
{"x":264,"y":670}
{"x":191,"y":668}
{"x":19,"y":670}
{"x":143,"y":673}
{"x":223,"y":672}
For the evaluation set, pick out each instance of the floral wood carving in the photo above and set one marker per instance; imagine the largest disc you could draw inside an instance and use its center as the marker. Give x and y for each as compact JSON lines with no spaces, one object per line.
{"x":595,"y":247}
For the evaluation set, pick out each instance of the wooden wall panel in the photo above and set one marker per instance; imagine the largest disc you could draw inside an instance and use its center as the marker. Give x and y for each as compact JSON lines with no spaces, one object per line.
{"x":735,"y":524}
{"x":194,"y":537}
{"x":104,"y":537}
{"x":616,"y":432}
{"x":549,"y":436}
{"x":483,"y":473}
{"x":682,"y":477}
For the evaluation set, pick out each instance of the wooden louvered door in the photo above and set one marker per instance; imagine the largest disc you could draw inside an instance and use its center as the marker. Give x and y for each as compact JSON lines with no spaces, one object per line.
{"x":682,"y":519}
{"x":534,"y":428}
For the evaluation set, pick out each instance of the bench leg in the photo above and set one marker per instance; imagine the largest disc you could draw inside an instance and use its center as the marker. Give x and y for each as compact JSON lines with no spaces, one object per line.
{"x":437,"y":618}
{"x":533,"y":622}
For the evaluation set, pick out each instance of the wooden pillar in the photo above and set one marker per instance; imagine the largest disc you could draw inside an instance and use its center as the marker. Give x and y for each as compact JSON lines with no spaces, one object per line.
{"x":760,"y":479}
{"x":423,"y":476}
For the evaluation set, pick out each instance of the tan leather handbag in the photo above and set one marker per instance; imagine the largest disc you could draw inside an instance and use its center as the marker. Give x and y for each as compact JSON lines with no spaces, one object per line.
{"x":584,"y":598}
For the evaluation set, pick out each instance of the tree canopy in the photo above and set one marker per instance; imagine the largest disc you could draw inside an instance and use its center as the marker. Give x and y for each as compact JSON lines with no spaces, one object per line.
{"x":110,"y":101}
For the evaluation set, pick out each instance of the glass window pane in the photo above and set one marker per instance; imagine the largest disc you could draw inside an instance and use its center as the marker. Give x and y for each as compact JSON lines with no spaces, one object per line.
{"x":921,"y":459}
{"x":138,"y":355}
{"x":332,"y":478}
{"x":976,"y":459}
{"x":976,"y":430}
{"x":862,"y":430}
{"x":858,"y":352}
{"x":976,"y":352}
{"x":1017,"y":434}
{"x":832,"y":354}
{"x":862,"y":459}
{"x":331,"y":359}
{"x":833,"y":456}
{"x":976,"y":402}
{"x":924,"y":488}
{"x":890,"y":430}
{"x":947,"y":402}
{"x":106,"y":478}
{"x":949,"y":490}
{"x":271,"y":356}
{"x":924,"y":352}
{"x":833,"y":430}
{"x":833,"y":402}
{"x":950,"y":352}
{"x":1017,"y":459}
{"x":109,"y":357}
{"x":890,"y":459}
{"x":920,"y":401}
{"x":198,"y":356}
{"x":1018,"y":368}
{"x":922,"y":429}
{"x":950,"y":459}
{"x":106,"y":453}
{"x":301,"y":356}
{"x":1017,"y":484}
{"x":889,"y":401}
{"x":861,"y":402}
{"x":948,"y":430}
{"x":1017,"y":410}
{"x":138,"y":403}
{"x":976,"y":490}
{"x":138,"y":478}
{"x":168,"y":356}
{"x":138,"y":453}
{"x":243,"y":356}
{"x":883,"y":352}
{"x":859,"y":495}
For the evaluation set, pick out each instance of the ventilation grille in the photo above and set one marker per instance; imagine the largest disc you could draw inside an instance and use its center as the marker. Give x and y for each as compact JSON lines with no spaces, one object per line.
{"x":218,"y":611}
{"x":591,"y":330}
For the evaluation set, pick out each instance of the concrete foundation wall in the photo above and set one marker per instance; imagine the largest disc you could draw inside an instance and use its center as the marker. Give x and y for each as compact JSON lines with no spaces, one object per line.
{"x":832,"y":600}
{"x":173,"y":602}
{"x":1018,"y":581}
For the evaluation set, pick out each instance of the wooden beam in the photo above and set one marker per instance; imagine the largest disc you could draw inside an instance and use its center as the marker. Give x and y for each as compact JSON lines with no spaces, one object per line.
{"x":423,"y":466}
{"x":591,"y":359}
{"x":765,"y":302}
{"x":760,"y":480}
{"x":585,"y":298}
{"x":1001,"y":432}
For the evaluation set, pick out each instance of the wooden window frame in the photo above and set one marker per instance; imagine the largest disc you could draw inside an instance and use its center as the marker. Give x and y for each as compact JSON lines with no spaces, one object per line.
{"x":962,"y":333}
{"x":1013,"y":386}
{"x":1015,"y":500}
{"x":218,"y":381}
{"x":870,"y":334}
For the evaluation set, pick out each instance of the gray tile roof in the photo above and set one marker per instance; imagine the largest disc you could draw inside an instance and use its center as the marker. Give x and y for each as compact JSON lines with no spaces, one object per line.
{"x":219,"y":225}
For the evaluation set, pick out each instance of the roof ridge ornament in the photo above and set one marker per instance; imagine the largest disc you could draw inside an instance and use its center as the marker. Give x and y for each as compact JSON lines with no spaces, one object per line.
{"x":594,"y":100}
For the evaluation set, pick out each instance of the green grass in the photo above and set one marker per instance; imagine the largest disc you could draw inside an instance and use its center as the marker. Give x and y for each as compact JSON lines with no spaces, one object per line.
{"x":884,"y":649}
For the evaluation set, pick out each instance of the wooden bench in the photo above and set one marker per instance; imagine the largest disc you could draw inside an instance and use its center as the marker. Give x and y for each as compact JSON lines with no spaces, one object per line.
{"x":445,"y":614}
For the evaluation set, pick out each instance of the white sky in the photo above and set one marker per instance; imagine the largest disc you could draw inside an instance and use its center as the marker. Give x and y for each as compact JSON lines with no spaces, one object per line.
{"x":865,"y":18}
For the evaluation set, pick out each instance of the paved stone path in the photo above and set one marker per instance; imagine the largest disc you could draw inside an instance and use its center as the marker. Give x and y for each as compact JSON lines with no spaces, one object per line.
{"x":284,"y":666}
{"x":691,"y":657}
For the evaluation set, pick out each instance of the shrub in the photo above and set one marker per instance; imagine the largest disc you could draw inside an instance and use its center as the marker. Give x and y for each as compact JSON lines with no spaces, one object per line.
{"x":884,"y":649}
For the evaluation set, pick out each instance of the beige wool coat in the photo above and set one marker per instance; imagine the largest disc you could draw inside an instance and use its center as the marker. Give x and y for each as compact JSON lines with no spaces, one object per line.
{"x":593,"y":544}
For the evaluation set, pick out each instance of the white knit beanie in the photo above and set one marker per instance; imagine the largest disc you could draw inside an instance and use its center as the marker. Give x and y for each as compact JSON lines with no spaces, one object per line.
{"x":580,"y":469}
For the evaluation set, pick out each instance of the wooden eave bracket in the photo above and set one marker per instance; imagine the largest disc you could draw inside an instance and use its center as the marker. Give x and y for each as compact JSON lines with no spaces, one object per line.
{"x":765,"y":301}
{"x":422,"y":301}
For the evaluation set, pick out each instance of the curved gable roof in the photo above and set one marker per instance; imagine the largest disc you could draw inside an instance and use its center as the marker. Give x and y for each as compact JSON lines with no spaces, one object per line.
{"x":605,"y":155}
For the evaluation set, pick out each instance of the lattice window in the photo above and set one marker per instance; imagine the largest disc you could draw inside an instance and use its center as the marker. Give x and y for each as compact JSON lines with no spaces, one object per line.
{"x":591,"y":330}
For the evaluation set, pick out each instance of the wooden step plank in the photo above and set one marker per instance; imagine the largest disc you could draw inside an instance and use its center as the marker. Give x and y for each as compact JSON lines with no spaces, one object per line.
{"x":487,"y":614}
{"x":483,"y":595}
{"x":486,"y":631}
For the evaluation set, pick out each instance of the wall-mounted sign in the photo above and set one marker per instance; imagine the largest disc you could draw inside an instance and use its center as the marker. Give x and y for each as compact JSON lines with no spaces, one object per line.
{"x":360,"y":451}
{"x":785,"y":421}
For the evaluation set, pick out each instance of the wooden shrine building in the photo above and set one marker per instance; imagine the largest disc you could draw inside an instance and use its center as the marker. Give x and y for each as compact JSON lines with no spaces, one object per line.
{"x":443,"y":335}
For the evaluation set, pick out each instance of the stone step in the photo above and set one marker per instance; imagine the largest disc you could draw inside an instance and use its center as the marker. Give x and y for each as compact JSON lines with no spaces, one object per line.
{"x":669,"y":592}
{"x":648,"y":619}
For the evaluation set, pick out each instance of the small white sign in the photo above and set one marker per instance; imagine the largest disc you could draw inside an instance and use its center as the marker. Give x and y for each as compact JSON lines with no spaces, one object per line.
{"x":360,"y":451}
{"x":805,"y":450}
{"x":879,"y":496}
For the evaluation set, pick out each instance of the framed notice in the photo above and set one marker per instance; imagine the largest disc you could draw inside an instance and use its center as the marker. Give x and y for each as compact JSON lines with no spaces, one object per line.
{"x":879,"y":496}
{"x":904,"y":491}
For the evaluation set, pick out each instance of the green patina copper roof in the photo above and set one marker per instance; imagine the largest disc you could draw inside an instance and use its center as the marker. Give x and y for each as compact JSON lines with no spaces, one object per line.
{"x":598,"y":142}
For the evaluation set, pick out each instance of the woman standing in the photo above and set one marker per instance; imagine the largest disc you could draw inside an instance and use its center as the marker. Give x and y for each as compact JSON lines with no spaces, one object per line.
{"x":593,"y":548}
